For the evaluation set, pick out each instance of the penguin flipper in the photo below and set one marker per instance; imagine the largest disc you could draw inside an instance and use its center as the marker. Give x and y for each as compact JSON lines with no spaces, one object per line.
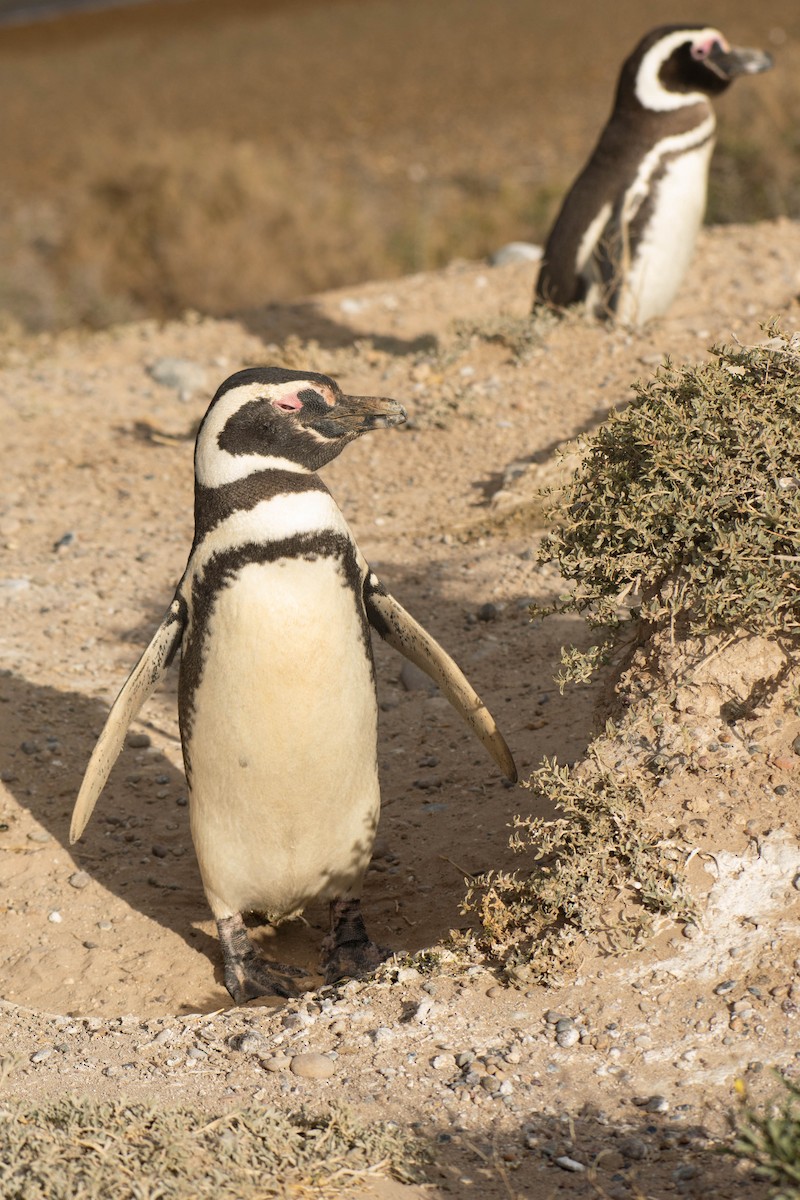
{"x":407,"y":636}
{"x":139,"y":685}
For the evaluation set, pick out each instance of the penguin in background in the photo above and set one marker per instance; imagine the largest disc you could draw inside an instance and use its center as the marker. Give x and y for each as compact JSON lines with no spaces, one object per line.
{"x":276,"y":698}
{"x":625,"y":234}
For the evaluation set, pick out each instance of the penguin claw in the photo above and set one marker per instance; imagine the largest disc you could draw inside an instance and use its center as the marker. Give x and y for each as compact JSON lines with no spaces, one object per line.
{"x":247,"y":975}
{"x":354,"y":960}
{"x":348,"y":952}
{"x":252,"y":978}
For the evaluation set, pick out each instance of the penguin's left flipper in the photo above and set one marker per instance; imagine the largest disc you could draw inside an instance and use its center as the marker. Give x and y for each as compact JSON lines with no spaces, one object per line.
{"x":139,"y":685}
{"x":404,"y":634}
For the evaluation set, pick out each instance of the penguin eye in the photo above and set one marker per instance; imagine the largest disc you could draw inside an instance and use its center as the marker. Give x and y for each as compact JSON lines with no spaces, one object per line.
{"x":287,"y":403}
{"x":703,"y":50}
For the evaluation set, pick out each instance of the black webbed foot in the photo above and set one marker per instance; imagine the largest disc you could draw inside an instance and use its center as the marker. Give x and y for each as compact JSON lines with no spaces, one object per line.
{"x":247,"y":975}
{"x":348,"y":952}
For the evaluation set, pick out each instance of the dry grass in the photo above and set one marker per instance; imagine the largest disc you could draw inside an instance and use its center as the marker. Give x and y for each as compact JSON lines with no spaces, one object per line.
{"x":80,"y":1148}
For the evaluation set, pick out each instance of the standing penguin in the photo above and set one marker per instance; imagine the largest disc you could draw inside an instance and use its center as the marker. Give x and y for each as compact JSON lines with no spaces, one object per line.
{"x":625,"y":234}
{"x":276,"y":698}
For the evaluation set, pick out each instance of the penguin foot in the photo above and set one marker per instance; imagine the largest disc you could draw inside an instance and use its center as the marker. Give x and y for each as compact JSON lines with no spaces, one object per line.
{"x":247,"y":975}
{"x":348,"y":952}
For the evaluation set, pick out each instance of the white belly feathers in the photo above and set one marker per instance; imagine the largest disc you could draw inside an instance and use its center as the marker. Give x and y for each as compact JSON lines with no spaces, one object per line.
{"x":659,"y":264}
{"x":284,"y":779}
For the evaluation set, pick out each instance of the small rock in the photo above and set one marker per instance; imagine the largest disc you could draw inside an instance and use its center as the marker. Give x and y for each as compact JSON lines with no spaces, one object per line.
{"x":441,"y":1062}
{"x":488,"y":612}
{"x":164,"y":1037}
{"x":726,"y":986}
{"x":249,"y":1042}
{"x":39,"y":835}
{"x":28,"y":747}
{"x":657,"y":1104}
{"x":515,"y":252}
{"x":424,"y":1010}
{"x":312,"y":1066}
{"x":415,"y":680}
{"x":160,"y":851}
{"x":278,"y":1062}
{"x":79,"y":879}
{"x":42,"y":1054}
{"x":137,"y":741}
{"x":407,"y":974}
{"x":568,"y":1037}
{"x":55,"y":917}
{"x":690,"y":931}
{"x":180,"y":373}
{"x":490,"y":1084}
{"x":552,"y":1017}
{"x":634,"y":1148}
{"x":568,"y":1164}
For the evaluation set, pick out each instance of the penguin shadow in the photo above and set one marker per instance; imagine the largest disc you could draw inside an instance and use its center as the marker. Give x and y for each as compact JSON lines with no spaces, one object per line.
{"x":138,"y":843}
{"x":278,"y":322}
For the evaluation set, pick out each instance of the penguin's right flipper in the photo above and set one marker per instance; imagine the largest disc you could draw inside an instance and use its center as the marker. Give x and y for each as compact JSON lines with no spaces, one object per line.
{"x":139,"y":685}
{"x":403,"y":633}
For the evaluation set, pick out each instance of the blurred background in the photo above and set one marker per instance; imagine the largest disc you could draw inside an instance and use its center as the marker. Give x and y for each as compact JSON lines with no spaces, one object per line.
{"x":218,"y":155}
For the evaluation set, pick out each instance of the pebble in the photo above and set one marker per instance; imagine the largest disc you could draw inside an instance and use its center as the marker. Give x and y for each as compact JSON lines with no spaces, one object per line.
{"x":80,"y":879}
{"x":634,"y":1148}
{"x":39,"y":835}
{"x":55,"y":917}
{"x":488,"y":612}
{"x":515,"y":252}
{"x":182,"y":374}
{"x":726,"y":986}
{"x":42,"y":1054}
{"x":568,"y":1037}
{"x":407,"y":974}
{"x":249,"y":1042}
{"x":690,"y":931}
{"x":312,"y":1066}
{"x":137,"y":741}
{"x":568,"y":1164}
{"x":552,"y":1017}
{"x":160,"y":851}
{"x":415,"y":680}
{"x":657,"y":1104}
{"x":278,"y":1062}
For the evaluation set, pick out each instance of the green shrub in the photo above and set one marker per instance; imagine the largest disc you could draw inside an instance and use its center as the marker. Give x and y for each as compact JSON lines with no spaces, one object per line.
{"x":772,"y":1142}
{"x":688,"y":501}
{"x":597,"y":873}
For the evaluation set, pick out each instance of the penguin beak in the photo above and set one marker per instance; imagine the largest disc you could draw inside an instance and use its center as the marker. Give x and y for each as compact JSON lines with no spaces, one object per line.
{"x":358,"y":414}
{"x":733,"y":61}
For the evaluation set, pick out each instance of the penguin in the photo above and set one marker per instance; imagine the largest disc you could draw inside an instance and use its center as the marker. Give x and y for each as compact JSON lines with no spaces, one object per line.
{"x":624,"y":237}
{"x":276,"y":696}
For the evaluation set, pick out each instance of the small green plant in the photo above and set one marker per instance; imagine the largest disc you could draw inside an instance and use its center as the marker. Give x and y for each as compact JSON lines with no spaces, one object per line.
{"x":772,"y":1141}
{"x":688,"y":502}
{"x":597,"y":874}
{"x":81,"y":1148}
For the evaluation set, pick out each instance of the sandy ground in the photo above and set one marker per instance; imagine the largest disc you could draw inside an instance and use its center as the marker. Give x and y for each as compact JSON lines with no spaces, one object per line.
{"x":110,"y":961}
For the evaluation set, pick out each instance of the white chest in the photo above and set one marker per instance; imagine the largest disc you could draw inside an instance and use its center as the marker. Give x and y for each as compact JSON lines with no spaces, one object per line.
{"x":283,"y":740}
{"x":674,"y":211}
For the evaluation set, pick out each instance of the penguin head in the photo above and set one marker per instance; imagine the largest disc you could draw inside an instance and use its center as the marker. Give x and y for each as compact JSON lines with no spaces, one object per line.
{"x":675,"y":66}
{"x":296,"y":420}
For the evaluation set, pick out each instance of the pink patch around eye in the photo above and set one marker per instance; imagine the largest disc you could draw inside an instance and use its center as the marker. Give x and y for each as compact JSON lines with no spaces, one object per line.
{"x":703,"y":49}
{"x":288,"y":403}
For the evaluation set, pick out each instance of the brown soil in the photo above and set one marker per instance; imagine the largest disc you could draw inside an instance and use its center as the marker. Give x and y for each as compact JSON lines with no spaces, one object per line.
{"x":434,"y":509}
